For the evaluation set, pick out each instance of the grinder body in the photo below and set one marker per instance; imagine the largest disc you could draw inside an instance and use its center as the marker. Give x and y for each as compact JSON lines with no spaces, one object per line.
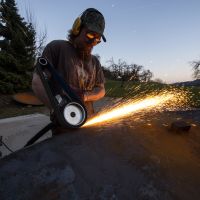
{"x":67,"y":107}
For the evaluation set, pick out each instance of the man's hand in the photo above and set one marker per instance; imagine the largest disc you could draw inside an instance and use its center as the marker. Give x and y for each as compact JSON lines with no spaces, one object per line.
{"x":97,"y":93}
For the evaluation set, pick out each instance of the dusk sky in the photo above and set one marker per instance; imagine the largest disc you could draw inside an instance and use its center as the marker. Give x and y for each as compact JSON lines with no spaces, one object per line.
{"x":161,"y":35}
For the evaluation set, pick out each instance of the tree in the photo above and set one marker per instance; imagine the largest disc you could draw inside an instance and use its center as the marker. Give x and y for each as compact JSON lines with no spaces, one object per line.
{"x":40,"y":35}
{"x":117,"y":69}
{"x":135,"y":71}
{"x":146,"y":76}
{"x":17,"y":49}
{"x":113,"y":67}
{"x":125,"y":72}
{"x":107,"y":73}
{"x":196,"y":69}
{"x":158,"y":80}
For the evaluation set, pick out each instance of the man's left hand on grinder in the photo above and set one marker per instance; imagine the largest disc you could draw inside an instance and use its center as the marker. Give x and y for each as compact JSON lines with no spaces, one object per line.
{"x":91,"y":95}
{"x":97,"y":93}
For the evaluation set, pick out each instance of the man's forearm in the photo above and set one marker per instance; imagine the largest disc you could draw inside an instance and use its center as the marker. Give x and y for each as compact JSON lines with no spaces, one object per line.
{"x":94,"y":95}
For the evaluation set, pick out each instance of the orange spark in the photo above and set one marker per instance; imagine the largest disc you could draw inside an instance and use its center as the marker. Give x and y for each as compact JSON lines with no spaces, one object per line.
{"x":130,"y":107}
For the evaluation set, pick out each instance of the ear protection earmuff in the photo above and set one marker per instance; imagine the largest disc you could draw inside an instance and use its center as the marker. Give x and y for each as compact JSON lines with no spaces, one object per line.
{"x":79,"y":20}
{"x":76,"y":26}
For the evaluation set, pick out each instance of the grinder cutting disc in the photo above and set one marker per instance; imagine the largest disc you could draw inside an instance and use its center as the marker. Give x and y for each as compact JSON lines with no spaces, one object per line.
{"x":74,"y":114}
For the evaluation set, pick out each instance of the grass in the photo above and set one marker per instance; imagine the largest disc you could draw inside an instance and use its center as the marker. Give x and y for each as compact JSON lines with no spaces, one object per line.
{"x":133,"y":89}
{"x":130,"y":89}
{"x":194,"y":96}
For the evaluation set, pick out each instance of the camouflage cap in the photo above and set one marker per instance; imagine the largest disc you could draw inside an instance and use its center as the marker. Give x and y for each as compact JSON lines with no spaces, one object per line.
{"x":94,"y":21}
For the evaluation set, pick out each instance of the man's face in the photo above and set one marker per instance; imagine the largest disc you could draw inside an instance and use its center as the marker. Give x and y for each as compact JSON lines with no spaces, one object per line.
{"x":87,"y":40}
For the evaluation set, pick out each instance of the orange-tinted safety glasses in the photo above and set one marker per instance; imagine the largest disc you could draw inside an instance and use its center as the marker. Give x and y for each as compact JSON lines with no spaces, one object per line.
{"x":92,"y":36}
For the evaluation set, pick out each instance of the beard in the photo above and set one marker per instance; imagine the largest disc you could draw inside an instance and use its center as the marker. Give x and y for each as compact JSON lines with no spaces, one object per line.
{"x":84,"y":51}
{"x":84,"y":54}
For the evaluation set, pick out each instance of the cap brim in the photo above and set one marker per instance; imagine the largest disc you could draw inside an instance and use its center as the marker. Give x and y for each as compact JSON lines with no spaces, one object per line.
{"x":103,"y":37}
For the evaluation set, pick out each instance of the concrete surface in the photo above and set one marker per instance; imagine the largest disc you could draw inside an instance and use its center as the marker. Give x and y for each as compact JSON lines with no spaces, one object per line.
{"x":16,"y":131}
{"x":135,"y":158}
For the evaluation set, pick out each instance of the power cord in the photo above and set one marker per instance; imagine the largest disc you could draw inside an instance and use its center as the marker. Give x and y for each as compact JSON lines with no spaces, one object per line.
{"x":7,"y":147}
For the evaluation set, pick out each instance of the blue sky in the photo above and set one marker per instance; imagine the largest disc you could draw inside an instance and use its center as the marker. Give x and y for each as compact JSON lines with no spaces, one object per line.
{"x":161,"y":35}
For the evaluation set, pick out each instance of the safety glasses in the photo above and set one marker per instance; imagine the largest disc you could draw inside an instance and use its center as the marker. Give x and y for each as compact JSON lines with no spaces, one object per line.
{"x":93,"y":37}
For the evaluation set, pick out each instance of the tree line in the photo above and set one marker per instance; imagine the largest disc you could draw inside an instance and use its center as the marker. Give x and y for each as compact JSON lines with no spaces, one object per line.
{"x":126,"y":72}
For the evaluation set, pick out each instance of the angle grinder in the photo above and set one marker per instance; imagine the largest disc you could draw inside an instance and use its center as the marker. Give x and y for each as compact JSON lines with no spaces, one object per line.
{"x":67,"y":107}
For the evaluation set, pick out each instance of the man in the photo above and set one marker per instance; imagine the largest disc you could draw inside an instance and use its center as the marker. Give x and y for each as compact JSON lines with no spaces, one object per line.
{"x":74,"y":61}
